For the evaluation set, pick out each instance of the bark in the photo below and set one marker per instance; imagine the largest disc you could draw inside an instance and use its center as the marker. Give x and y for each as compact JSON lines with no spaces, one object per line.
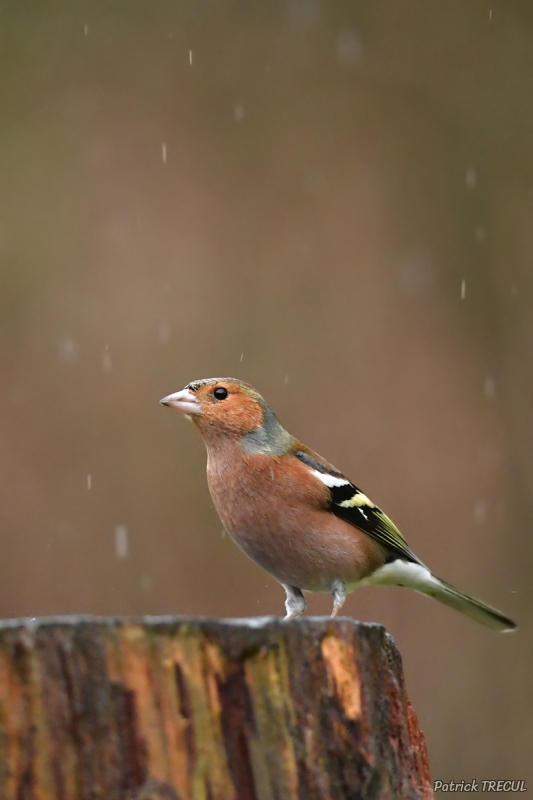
{"x":184,"y":708}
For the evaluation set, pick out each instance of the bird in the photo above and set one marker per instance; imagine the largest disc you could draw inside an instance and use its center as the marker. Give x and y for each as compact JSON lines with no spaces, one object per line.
{"x":296,"y":515}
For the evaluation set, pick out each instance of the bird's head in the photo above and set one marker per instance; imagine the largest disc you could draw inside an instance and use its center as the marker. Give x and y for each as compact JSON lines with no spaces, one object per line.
{"x":223,"y":408}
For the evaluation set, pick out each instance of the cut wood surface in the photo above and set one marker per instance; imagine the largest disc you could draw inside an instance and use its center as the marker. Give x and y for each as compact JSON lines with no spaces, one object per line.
{"x":197,"y":709}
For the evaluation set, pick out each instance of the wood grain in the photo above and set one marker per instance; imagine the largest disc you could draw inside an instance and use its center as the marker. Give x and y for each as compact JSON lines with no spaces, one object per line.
{"x":197,"y":709}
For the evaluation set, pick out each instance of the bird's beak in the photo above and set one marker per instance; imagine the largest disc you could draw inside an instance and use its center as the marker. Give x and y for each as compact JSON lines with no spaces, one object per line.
{"x":185,"y":401}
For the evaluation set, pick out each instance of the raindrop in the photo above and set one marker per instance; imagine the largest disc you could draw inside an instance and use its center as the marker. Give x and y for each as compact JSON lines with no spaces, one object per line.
{"x":68,"y":350}
{"x":480,"y":512}
{"x":190,"y":57}
{"x":242,"y":356}
{"x":107,"y":363}
{"x":146,"y":583}
{"x":164,"y":152}
{"x":303,"y":13}
{"x":164,"y":332}
{"x":89,"y":482}
{"x":480,"y":234}
{"x":122,"y":541}
{"x":489,"y":387}
{"x":463,"y":289}
{"x":286,"y":379}
{"x":348,"y":48}
{"x":238,"y":112}
{"x":471,"y":178}
{"x":417,"y":272}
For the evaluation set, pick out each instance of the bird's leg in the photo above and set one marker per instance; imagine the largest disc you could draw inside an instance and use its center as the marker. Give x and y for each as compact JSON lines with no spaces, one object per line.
{"x":338,"y":590}
{"x":295,"y":602}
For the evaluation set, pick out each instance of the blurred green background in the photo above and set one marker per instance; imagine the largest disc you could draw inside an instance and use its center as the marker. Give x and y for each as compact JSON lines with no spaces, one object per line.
{"x":330,"y":200}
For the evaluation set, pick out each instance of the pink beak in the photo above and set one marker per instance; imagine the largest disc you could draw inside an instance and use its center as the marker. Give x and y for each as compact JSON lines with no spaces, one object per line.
{"x":184,"y":401}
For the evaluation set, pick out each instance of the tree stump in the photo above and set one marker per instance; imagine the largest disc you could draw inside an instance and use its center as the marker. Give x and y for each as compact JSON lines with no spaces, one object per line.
{"x":196,"y":709}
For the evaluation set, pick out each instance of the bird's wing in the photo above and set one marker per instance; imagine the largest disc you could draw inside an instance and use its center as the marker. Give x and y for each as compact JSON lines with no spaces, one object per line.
{"x":352,"y":505}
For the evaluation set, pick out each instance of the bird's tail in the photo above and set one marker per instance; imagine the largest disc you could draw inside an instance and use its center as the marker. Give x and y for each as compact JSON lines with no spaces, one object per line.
{"x":415,"y":575}
{"x":475,"y":609}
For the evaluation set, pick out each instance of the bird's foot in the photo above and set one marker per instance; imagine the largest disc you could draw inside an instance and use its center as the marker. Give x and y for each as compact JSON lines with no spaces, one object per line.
{"x":295,"y":603}
{"x":338,"y":591}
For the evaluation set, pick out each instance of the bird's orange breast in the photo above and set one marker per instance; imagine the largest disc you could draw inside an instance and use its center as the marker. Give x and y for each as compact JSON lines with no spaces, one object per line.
{"x":277,"y":512}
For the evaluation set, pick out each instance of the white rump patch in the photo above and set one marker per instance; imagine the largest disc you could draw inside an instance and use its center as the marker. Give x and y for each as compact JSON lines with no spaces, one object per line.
{"x":406,"y":573}
{"x":330,"y":480}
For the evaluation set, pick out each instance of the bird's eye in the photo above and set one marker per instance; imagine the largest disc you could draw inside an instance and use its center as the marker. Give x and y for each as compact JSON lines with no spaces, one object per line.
{"x":220,"y":393}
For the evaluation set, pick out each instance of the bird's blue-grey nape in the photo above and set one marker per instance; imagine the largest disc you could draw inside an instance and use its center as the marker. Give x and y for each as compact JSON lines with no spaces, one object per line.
{"x":270,"y":439}
{"x":313,"y":463}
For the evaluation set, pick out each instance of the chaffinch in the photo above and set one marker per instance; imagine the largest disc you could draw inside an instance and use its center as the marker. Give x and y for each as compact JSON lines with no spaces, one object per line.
{"x":295,"y":514}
